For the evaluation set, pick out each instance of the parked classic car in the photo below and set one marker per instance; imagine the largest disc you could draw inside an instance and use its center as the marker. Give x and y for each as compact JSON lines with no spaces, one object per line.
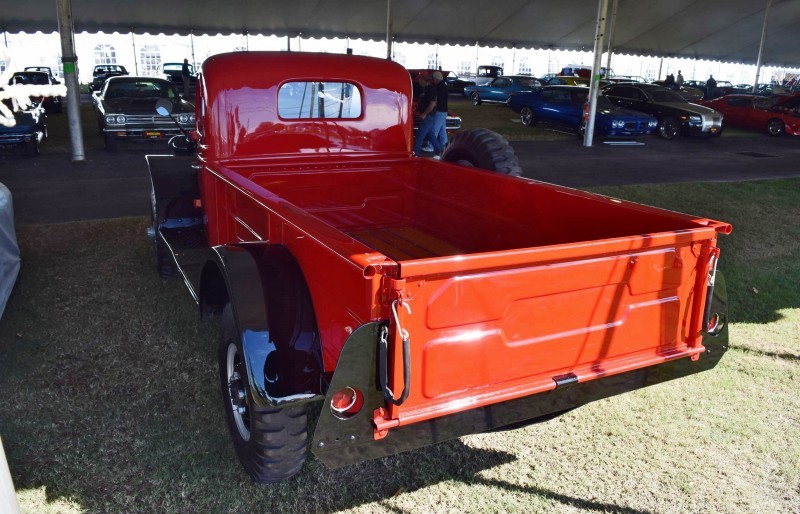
{"x":39,"y":78}
{"x":456,"y":84}
{"x":501,"y":89}
{"x":102,"y":72}
{"x":30,"y":129}
{"x":173,"y":72}
{"x":44,"y":69}
{"x":487,"y":73}
{"x":563,"y":106}
{"x":776,"y":115}
{"x":675,"y":115}
{"x":125,"y":108}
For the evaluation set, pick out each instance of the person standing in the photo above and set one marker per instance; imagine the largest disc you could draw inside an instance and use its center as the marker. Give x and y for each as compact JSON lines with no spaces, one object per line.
{"x":426,"y":108}
{"x":679,"y":79}
{"x":440,"y":119}
{"x":711,"y":88}
{"x":185,"y":76}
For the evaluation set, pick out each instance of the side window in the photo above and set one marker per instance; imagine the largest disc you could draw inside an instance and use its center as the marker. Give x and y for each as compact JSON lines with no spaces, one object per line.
{"x":736,"y":101}
{"x":319,"y":100}
{"x":618,"y":92}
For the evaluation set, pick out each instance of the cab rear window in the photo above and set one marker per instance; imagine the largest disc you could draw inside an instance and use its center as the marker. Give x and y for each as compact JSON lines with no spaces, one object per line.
{"x":319,"y":100}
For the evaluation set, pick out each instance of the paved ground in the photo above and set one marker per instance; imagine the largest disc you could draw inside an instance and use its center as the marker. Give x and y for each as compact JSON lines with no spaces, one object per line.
{"x":51,"y":189}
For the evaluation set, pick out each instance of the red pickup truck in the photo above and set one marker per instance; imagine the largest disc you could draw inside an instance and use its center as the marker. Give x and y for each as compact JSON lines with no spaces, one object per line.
{"x":418,"y":300}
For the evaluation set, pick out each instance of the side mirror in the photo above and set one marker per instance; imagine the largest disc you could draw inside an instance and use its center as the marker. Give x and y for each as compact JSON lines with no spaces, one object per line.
{"x":164,"y":107}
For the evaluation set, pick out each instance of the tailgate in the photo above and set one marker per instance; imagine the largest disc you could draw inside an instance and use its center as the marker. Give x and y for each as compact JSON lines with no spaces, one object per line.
{"x":492,"y":327}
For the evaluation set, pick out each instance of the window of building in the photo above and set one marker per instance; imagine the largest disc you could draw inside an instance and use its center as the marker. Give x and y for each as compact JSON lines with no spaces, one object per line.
{"x":464,"y":67}
{"x":497,"y":60}
{"x":150,"y":60}
{"x":105,"y":54}
{"x":400,"y":58}
{"x":434,"y":63}
{"x":524,"y":66}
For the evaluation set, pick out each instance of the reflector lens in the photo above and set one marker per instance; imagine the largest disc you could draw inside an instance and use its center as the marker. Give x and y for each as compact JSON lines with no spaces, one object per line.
{"x":346,"y":402}
{"x":715,"y":324}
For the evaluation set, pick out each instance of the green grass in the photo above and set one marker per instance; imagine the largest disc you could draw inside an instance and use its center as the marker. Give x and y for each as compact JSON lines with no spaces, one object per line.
{"x":501,"y":119}
{"x":109,"y":397}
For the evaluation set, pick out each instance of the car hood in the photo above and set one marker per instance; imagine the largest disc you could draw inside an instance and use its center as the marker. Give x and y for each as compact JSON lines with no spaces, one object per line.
{"x":689,"y":107}
{"x":140,"y":106}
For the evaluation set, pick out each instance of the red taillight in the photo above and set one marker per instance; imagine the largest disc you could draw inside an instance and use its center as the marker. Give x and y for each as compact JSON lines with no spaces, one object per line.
{"x":346,"y":402}
{"x":715,"y":324}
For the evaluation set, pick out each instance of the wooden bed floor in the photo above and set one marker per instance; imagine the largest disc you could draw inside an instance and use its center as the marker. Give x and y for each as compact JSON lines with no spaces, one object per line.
{"x":405,"y":243}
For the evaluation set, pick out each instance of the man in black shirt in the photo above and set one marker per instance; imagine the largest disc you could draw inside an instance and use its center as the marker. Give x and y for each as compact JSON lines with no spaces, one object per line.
{"x":439,"y":132}
{"x":427,"y":109}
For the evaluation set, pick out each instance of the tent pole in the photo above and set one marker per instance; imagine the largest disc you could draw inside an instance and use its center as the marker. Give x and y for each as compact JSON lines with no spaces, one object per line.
{"x":69,"y":59}
{"x":760,"y":61}
{"x":389,"y":28}
{"x":191,"y":41}
{"x":135,"y":60}
{"x":611,"y":35}
{"x":602,"y":12}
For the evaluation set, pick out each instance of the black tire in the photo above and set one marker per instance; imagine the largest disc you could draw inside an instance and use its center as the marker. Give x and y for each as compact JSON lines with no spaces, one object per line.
{"x":165,"y":265}
{"x":269,"y":442}
{"x":527,"y":117}
{"x":32,"y":147}
{"x":481,"y":148}
{"x":476,"y":98}
{"x":111,"y":142}
{"x":668,"y":128}
{"x":775,"y":127}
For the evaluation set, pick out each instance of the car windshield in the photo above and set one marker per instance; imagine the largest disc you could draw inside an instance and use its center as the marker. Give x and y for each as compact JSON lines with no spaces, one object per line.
{"x":138,"y":89}
{"x":30,"y":78}
{"x":528,"y":82}
{"x":176,"y":66}
{"x":109,"y":68}
{"x":666,"y":96}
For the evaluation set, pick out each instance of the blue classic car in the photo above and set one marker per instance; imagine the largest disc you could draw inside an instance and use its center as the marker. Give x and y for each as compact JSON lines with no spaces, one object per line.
{"x":562,"y":106}
{"x":500,"y":89}
{"x":30,"y":129}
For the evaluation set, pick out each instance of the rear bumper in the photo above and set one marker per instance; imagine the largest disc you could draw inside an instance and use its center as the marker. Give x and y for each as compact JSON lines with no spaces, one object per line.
{"x":339,"y":442}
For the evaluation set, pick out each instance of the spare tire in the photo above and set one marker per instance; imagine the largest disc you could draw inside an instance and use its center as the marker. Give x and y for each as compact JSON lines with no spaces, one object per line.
{"x":481,"y":148}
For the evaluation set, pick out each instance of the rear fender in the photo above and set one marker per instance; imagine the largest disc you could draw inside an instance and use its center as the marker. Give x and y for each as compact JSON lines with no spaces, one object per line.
{"x":274,"y":317}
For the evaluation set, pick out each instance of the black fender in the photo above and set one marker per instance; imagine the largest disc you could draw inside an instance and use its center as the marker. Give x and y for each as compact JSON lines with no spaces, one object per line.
{"x":274,"y":315}
{"x":174,"y":190}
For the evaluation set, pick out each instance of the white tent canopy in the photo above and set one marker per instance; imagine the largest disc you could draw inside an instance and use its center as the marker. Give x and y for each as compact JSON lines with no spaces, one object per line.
{"x":726,"y":30}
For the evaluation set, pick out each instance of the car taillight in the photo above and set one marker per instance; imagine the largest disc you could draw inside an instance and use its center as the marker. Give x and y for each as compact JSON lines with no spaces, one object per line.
{"x":346,"y":402}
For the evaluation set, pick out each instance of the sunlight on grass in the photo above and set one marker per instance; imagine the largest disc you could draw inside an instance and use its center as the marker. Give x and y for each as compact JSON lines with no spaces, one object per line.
{"x":35,"y":501}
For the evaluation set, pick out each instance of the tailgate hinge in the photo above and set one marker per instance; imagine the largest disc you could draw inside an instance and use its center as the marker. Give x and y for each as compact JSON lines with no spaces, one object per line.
{"x":393,"y":289}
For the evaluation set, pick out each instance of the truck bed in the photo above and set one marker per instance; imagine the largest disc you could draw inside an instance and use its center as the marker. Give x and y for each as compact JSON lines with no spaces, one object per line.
{"x":524,"y":285}
{"x":419,"y":208}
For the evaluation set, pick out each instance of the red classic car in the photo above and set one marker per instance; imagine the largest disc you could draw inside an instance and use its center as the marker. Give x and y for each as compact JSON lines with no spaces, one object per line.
{"x":776,"y":115}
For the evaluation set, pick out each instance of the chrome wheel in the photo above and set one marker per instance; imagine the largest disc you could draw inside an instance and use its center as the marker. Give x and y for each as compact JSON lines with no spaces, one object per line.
{"x":526,"y":116}
{"x":775,"y":127}
{"x":237,"y":392}
{"x":668,"y":128}
{"x":476,"y":99}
